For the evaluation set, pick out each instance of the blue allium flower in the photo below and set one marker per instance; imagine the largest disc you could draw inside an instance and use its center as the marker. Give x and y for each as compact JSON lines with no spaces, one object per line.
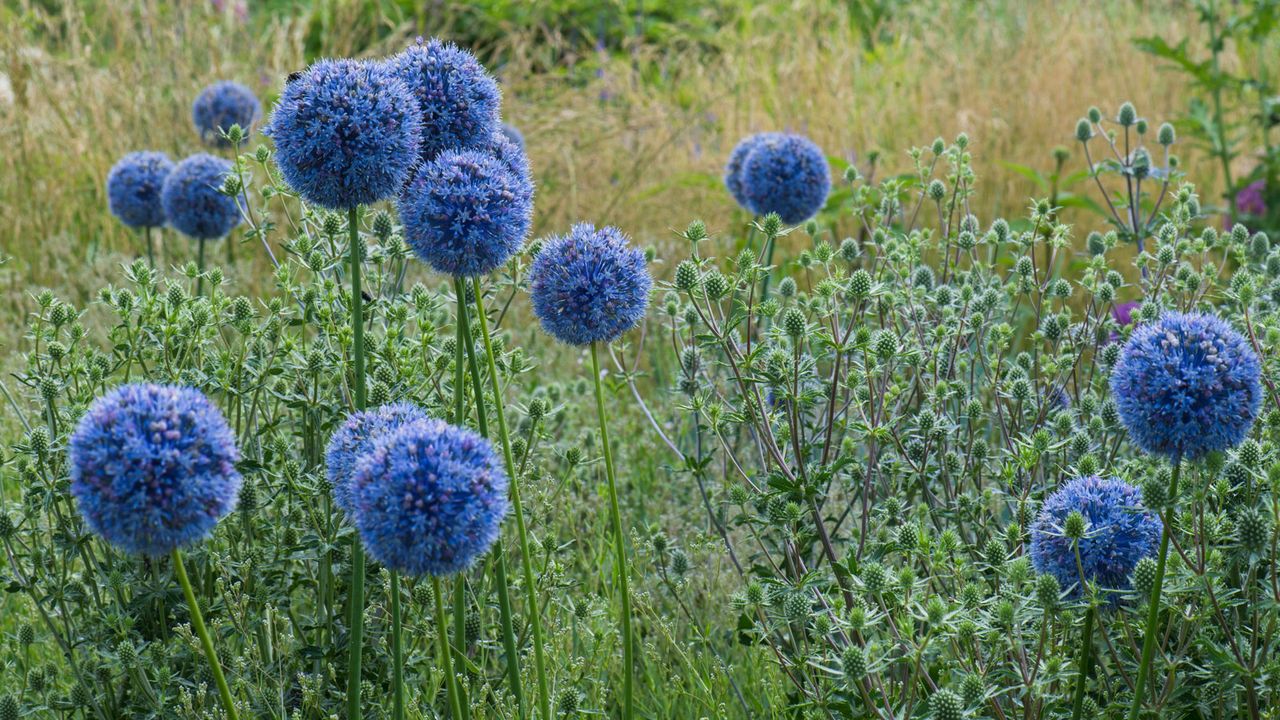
{"x":784,"y":174}
{"x":513,"y":134}
{"x":356,"y":438}
{"x":430,"y":498}
{"x":458,"y":98}
{"x":1187,"y":385}
{"x":513,"y":157}
{"x":733,"y":170}
{"x":133,"y":188}
{"x":193,"y":199}
{"x":1119,"y":532}
{"x":465,"y":213}
{"x":589,"y":286}
{"x":153,"y":467}
{"x":346,"y":133}
{"x":221,"y":105}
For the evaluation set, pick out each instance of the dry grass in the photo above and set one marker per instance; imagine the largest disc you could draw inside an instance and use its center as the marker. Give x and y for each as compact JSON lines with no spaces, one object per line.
{"x":1013,"y":76}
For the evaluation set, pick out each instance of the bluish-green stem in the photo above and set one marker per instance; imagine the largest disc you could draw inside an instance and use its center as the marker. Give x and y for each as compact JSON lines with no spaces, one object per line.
{"x":1149,"y":636}
{"x":1086,"y":657}
{"x":151,"y":249}
{"x":442,"y":632}
{"x":197,"y":624}
{"x":200,"y":266}
{"x":620,"y":542}
{"x":355,"y":639}
{"x":462,"y":338}
{"x":526,"y":561}
{"x":500,"y":557}
{"x":397,"y":651}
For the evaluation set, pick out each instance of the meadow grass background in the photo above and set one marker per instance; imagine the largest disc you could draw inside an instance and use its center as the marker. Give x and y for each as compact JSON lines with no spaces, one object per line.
{"x":634,"y":134}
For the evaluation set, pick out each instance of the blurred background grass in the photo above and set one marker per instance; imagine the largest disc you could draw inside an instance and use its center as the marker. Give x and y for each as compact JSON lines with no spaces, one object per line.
{"x":629,"y":108}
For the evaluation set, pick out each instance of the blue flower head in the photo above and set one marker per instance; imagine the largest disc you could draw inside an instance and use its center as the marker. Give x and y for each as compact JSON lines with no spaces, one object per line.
{"x":346,"y":133}
{"x":458,"y":98}
{"x":513,"y":157}
{"x":589,"y":286}
{"x":153,"y":467}
{"x":221,"y":105}
{"x":784,"y":174}
{"x":430,"y":498}
{"x":133,"y":188}
{"x":1119,"y":532}
{"x":513,"y":134}
{"x":465,"y":213}
{"x":356,"y":438}
{"x":733,"y":170}
{"x":1187,"y":385}
{"x":193,"y":199}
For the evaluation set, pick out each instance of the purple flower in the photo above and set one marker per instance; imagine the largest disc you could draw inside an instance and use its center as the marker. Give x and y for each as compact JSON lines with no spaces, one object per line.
{"x":133,"y":188}
{"x":1250,"y":200}
{"x":356,"y":438}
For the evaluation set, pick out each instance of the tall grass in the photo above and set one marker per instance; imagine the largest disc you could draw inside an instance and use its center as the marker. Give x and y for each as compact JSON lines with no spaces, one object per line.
{"x":635,"y":137}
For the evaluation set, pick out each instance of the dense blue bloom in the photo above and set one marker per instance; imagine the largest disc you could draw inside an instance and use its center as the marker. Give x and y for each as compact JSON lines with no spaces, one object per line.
{"x":589,"y":286}
{"x":346,"y":133}
{"x":465,"y":213}
{"x":458,"y":98}
{"x":430,"y":498}
{"x":513,"y":134}
{"x":784,"y":174}
{"x":153,"y":467}
{"x":133,"y":188}
{"x":733,"y":170}
{"x":1187,"y":385}
{"x":221,"y":105}
{"x":193,"y":199}
{"x":513,"y":158}
{"x":1119,"y":532}
{"x":356,"y":438}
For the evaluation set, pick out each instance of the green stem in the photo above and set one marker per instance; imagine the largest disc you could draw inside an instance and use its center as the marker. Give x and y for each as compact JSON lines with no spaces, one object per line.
{"x":200,"y":266}
{"x":526,"y":560}
{"x":442,"y":632}
{"x":151,"y":248}
{"x":500,"y":557}
{"x":197,"y":623}
{"x":397,"y":649}
{"x":620,"y":543}
{"x":462,"y":338}
{"x":1153,"y":607}
{"x":355,"y":641}
{"x":1086,"y":657}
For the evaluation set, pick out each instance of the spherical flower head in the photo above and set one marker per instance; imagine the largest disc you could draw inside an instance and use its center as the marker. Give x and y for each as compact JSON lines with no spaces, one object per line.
{"x":512,"y":156}
{"x":1119,"y":532}
{"x":133,"y":188}
{"x":513,"y":134}
{"x":1187,"y":385}
{"x":221,"y":105}
{"x":153,"y":467}
{"x":356,"y":438}
{"x":465,"y":213}
{"x":733,"y":169}
{"x":193,"y":199}
{"x":346,"y":133}
{"x":589,"y":286}
{"x":787,"y":175}
{"x":458,"y":98}
{"x":430,"y":498}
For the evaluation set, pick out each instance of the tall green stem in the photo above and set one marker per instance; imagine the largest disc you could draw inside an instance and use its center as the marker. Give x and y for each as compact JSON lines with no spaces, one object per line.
{"x":355,"y":640}
{"x":197,"y":623}
{"x":1153,"y":603}
{"x":526,"y":561}
{"x":620,"y":542}
{"x":151,"y":248}
{"x":500,"y":557}
{"x":442,"y":632}
{"x":200,"y":266}
{"x":397,"y":650}
{"x":1086,"y":657}
{"x":462,"y":339}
